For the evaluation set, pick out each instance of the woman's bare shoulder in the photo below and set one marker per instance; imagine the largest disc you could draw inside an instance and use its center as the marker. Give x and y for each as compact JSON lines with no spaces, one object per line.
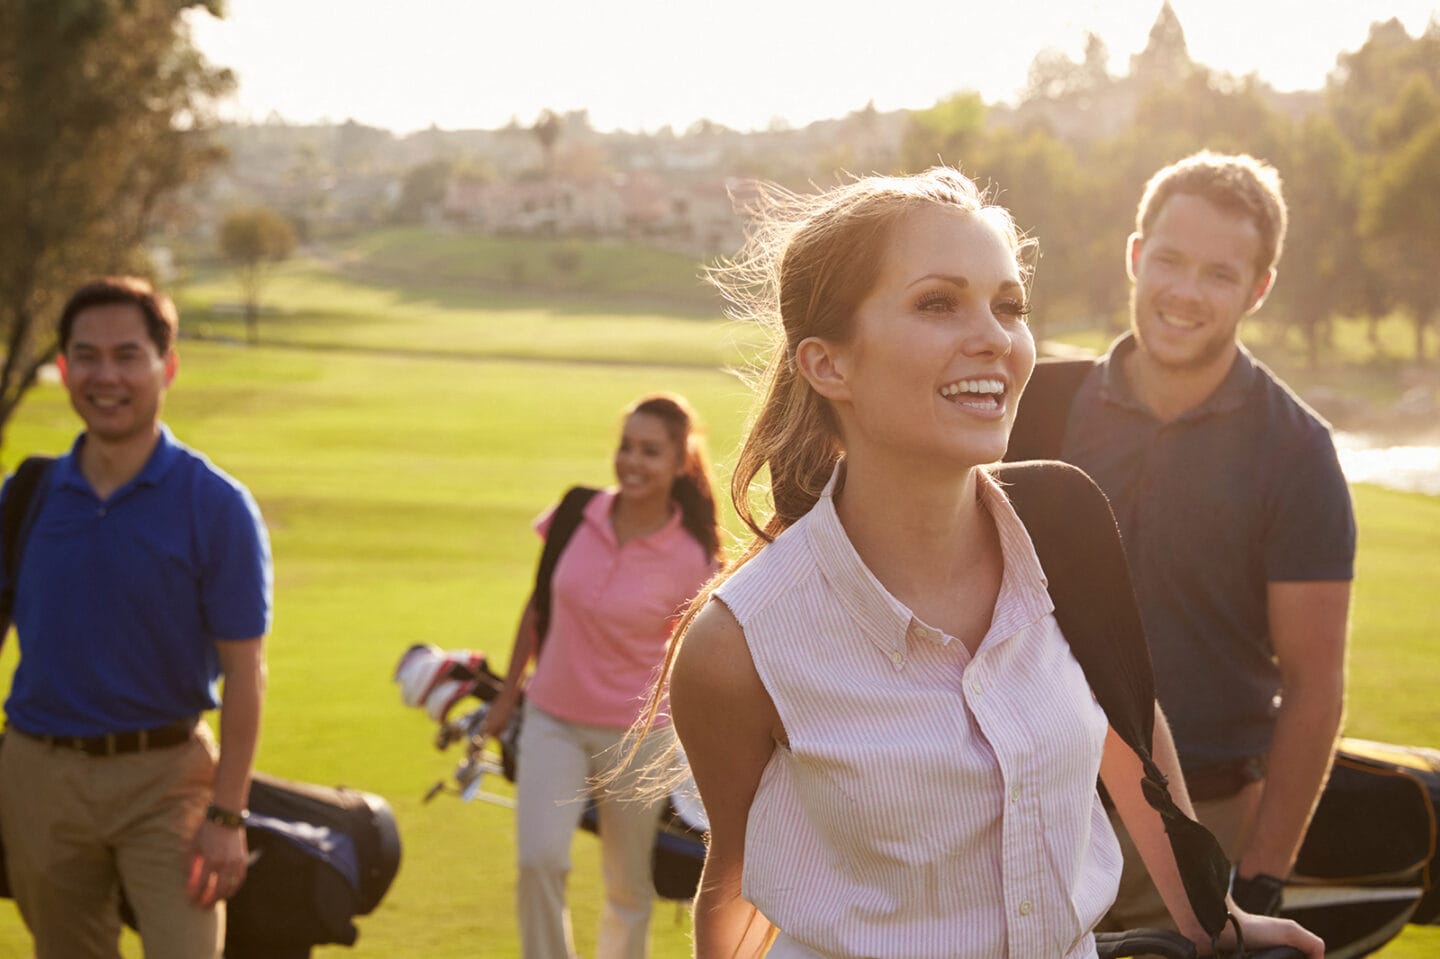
{"x":713,"y":667}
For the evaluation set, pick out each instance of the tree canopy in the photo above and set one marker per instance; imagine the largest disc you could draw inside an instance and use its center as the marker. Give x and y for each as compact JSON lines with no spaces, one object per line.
{"x":252,"y":241}
{"x":1360,"y":163}
{"x":105,"y":110}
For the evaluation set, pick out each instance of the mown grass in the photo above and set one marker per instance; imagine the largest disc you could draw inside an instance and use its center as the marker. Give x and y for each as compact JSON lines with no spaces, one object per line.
{"x":470,"y":261}
{"x":308,"y":303}
{"x":399,"y":491}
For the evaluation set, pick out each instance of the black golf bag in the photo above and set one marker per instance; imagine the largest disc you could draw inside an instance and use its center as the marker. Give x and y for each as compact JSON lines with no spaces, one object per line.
{"x":322,"y":856}
{"x":1368,"y":864}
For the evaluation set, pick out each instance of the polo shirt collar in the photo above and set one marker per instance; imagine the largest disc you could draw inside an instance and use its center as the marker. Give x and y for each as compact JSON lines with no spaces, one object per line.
{"x":166,"y":453}
{"x":1228,"y":397}
{"x":888,"y":623}
{"x":597,"y":513}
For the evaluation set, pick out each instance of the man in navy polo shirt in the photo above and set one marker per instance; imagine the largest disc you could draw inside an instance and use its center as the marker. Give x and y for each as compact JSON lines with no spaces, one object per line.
{"x":1236,"y":520}
{"x":145,"y":580}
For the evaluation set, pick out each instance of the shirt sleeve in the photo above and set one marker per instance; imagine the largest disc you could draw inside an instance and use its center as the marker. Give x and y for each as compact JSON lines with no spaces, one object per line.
{"x":1311,"y":533}
{"x":541,"y":524}
{"x":238,"y":588}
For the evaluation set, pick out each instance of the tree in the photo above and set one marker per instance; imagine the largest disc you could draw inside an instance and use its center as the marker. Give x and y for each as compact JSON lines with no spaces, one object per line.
{"x":1054,"y":76}
{"x":1166,"y":57}
{"x":1037,"y":178}
{"x":253,"y":241}
{"x":423,"y":190}
{"x":1322,"y":271}
{"x":1367,"y":81}
{"x":945,"y":133}
{"x":105,"y":110}
{"x":546,"y":132}
{"x":1402,"y":218}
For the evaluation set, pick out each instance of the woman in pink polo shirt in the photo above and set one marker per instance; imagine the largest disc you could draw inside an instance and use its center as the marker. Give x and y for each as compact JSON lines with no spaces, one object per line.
{"x":895,"y":746}
{"x":642,"y":550}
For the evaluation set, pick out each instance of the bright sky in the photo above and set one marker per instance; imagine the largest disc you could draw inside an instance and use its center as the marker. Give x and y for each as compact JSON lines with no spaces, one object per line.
{"x":642,"y":64}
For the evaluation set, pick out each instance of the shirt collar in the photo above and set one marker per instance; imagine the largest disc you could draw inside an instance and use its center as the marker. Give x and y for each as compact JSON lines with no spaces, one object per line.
{"x":886,"y":622}
{"x":1229,"y":396}
{"x":597,"y":513}
{"x":162,"y":458}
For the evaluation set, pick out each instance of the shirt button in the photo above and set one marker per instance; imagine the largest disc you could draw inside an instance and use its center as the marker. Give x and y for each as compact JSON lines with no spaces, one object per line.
{"x":1014,"y":793}
{"x":1026,"y":908}
{"x":975,"y":687}
{"x":897,"y":658}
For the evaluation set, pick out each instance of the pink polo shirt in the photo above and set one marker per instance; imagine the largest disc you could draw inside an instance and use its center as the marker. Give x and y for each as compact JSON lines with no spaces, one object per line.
{"x":930,"y":803}
{"x":612,"y":609}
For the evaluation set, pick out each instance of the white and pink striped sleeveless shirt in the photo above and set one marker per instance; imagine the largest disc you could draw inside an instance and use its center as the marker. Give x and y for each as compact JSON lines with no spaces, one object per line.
{"x":930,"y":803}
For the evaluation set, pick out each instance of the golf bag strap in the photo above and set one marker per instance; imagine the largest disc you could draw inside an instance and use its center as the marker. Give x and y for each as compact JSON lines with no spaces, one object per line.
{"x":1044,"y":412}
{"x":1076,"y":539}
{"x":23,"y":496}
{"x":563,"y":524}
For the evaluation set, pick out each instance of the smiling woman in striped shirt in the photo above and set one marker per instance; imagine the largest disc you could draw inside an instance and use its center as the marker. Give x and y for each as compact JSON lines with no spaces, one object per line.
{"x":896,"y":749}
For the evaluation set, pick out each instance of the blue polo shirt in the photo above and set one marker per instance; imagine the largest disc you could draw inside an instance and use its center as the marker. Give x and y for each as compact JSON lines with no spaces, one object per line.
{"x":119,"y":603}
{"x":1239,"y":492}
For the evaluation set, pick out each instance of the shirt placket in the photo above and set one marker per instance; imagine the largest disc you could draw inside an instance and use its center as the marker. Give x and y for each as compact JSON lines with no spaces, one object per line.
{"x":1022,"y":837}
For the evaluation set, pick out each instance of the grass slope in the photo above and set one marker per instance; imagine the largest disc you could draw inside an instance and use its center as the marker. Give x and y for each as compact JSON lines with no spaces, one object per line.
{"x":399,"y":491}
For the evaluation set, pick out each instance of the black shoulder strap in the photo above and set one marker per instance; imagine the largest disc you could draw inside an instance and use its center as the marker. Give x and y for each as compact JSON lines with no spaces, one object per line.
{"x":562,"y":526}
{"x":23,"y":496}
{"x":1044,"y":409}
{"x":1076,"y":539}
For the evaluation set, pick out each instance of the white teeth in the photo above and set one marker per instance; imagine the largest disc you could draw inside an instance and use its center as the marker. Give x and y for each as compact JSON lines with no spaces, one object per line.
{"x":973,"y":386}
{"x":1173,"y":320}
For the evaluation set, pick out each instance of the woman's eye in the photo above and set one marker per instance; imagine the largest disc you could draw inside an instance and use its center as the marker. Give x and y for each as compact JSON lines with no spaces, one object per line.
{"x":1018,"y":308}
{"x":936,"y":303}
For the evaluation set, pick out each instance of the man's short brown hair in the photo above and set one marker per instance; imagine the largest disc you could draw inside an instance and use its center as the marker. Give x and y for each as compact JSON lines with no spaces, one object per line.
{"x":1236,"y":183}
{"x":162,"y":321}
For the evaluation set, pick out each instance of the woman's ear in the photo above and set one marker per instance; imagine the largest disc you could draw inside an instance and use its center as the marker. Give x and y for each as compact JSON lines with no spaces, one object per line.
{"x":824,"y":365}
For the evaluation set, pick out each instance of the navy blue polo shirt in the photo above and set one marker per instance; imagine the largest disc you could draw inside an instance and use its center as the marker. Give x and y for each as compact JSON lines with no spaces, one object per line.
{"x":1239,"y":492}
{"x":119,"y":603}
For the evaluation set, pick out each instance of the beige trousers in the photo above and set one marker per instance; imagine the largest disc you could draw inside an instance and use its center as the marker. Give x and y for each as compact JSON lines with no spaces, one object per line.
{"x":1138,"y":904}
{"x":555,"y":763}
{"x":77,"y":827}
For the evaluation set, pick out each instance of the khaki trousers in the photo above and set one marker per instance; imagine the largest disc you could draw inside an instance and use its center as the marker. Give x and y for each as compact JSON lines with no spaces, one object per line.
{"x":76,"y":827}
{"x":1138,"y":904}
{"x":555,"y":763}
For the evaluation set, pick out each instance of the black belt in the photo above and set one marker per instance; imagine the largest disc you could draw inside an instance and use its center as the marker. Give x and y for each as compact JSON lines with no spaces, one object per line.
{"x":1222,"y":780}
{"x":114,"y":744}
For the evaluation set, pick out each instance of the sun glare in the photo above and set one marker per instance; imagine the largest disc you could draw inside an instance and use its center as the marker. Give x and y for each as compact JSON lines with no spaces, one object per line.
{"x":747,"y":64}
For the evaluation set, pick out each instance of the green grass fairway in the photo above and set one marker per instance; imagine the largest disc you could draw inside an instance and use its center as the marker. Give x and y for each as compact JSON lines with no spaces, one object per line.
{"x":399,"y":491}
{"x":324,"y":309}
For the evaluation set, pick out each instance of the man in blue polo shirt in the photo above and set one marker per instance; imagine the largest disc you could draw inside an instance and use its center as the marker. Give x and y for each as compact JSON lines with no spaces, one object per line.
{"x":1236,"y":520}
{"x":145,"y":580}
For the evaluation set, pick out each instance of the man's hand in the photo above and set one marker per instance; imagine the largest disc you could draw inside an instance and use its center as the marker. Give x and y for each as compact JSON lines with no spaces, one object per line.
{"x":218,"y":863}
